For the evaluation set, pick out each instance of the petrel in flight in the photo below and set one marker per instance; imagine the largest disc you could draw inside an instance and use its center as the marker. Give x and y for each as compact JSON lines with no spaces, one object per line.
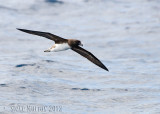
{"x":64,"y":44}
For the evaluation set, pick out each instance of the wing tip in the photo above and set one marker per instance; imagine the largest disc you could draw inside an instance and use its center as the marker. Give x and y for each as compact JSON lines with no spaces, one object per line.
{"x":106,"y":69}
{"x":25,"y":30}
{"x":20,"y":29}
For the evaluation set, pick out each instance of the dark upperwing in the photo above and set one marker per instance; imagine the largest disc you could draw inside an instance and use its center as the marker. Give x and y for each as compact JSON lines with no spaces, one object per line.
{"x":50,"y":36}
{"x":89,"y":56}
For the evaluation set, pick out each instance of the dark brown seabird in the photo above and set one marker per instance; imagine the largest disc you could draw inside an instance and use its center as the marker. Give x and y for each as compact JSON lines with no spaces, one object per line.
{"x":62,"y":44}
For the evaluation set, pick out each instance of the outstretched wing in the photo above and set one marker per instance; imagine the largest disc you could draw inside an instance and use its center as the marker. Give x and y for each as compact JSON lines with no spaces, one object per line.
{"x":50,"y":36}
{"x":89,"y":56}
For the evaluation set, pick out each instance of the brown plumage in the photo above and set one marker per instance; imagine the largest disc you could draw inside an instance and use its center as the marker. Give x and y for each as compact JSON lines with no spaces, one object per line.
{"x":73,"y":44}
{"x":50,"y":36}
{"x":89,"y":56}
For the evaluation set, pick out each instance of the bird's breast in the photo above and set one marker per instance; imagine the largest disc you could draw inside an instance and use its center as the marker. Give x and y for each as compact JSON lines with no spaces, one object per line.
{"x":61,"y":47}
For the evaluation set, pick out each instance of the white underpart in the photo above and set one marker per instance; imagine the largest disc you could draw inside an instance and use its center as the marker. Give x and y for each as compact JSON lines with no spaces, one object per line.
{"x":60,"y":47}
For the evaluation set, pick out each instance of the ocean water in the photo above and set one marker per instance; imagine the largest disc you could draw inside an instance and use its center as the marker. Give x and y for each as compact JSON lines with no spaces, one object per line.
{"x":123,"y":34}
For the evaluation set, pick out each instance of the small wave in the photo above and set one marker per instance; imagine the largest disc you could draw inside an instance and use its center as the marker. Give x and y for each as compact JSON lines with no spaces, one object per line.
{"x":22,"y":65}
{"x":7,"y":8}
{"x":3,"y":85}
{"x":54,"y":1}
{"x":22,"y":87}
{"x":85,"y":89}
{"x":48,"y":61}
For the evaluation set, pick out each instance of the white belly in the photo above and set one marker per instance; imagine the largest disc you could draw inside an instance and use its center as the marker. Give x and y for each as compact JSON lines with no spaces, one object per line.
{"x":61,"y":47}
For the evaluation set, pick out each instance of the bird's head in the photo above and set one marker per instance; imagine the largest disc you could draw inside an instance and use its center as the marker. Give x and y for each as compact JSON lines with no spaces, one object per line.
{"x":79,"y":43}
{"x":73,"y":42}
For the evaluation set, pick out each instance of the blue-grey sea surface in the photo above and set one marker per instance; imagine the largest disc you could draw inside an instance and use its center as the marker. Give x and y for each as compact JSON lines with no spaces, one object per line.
{"x":123,"y":34}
